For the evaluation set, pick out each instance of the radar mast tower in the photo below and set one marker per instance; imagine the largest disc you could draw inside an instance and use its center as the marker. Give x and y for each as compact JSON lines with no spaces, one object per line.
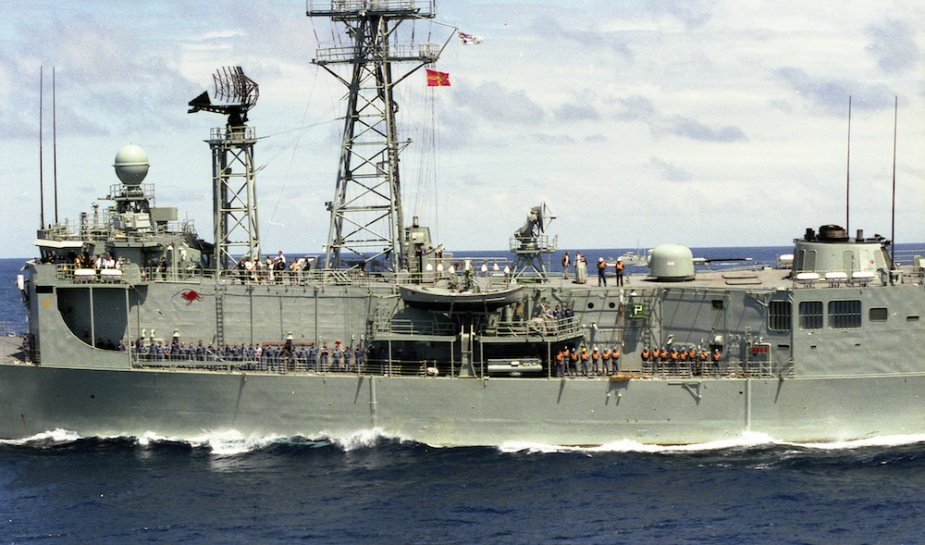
{"x":366,"y":222}
{"x":234,"y":197}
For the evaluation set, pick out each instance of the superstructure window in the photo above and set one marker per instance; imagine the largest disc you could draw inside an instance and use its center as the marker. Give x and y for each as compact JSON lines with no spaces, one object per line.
{"x":844,"y":314}
{"x":811,"y":315}
{"x":779,"y":315}
{"x":878,"y":314}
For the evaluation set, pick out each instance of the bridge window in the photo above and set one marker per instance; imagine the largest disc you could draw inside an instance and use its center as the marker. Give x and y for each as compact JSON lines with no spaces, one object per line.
{"x":779,"y":315}
{"x":844,"y":314}
{"x":811,"y":315}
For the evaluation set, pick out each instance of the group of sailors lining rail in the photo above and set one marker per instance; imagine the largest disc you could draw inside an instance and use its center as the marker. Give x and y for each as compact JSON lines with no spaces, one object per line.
{"x":674,"y":354}
{"x":580,"y":361}
{"x":81,"y":260}
{"x":271,"y":271}
{"x":258,"y":356}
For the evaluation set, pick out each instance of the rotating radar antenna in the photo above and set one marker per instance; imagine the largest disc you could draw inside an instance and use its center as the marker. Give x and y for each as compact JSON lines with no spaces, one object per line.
{"x":234,"y":194}
{"x":236,"y":92}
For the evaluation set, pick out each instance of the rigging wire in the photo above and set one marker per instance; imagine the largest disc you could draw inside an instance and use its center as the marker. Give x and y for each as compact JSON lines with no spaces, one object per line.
{"x":433,"y":156}
{"x":293,"y":143}
{"x":425,"y":187}
{"x":420,"y":150}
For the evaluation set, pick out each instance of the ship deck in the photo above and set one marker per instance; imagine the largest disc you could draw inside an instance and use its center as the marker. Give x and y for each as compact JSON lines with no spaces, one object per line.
{"x":755,"y":277}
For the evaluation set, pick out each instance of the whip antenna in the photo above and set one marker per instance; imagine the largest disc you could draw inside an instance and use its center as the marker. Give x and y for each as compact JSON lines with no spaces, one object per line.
{"x":848,"y":174}
{"x":893,"y":210}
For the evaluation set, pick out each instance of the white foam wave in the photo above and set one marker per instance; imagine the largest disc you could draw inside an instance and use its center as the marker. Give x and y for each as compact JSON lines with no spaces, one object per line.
{"x":221,"y":442}
{"x":885,"y":441}
{"x":49,"y":438}
{"x":746,"y":440}
{"x":361,"y":439}
{"x":233,"y":443}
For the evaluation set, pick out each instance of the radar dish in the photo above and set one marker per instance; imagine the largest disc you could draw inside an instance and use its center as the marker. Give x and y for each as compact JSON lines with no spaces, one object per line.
{"x":236,"y":94}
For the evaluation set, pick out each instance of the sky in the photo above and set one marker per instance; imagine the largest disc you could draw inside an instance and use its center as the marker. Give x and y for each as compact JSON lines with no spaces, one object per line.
{"x":703,"y":123}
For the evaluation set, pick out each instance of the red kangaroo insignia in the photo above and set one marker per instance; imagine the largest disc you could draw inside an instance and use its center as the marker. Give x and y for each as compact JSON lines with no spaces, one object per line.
{"x":190,"y":296}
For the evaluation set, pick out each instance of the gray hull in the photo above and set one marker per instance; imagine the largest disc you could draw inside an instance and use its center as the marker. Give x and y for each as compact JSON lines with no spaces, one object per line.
{"x":446,"y":411}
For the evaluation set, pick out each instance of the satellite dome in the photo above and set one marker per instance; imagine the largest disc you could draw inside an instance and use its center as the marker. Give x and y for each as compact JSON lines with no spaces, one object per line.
{"x":671,"y":262}
{"x":131,"y":164}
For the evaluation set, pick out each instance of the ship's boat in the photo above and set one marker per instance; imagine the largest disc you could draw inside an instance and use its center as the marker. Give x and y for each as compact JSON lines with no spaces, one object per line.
{"x":432,"y":297}
{"x":138,"y":325}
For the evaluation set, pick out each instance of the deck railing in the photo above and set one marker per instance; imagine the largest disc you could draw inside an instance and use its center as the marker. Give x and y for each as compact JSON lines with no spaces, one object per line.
{"x":406,"y":367}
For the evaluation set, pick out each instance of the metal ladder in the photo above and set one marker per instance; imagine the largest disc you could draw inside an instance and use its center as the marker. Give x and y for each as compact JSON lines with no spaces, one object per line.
{"x":219,"y":315}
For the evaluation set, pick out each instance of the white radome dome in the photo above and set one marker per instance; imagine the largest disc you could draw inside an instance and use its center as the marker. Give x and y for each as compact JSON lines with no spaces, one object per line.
{"x":131,"y":164}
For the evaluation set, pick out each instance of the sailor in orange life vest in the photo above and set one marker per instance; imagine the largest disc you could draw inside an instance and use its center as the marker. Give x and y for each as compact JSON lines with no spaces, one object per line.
{"x":619,"y":269}
{"x":601,"y":272}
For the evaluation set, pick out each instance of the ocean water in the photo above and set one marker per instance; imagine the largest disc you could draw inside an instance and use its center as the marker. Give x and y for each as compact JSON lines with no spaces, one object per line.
{"x":370,"y":488}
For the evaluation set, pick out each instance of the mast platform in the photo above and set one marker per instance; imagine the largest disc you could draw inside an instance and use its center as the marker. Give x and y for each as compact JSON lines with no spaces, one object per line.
{"x":359,"y":8}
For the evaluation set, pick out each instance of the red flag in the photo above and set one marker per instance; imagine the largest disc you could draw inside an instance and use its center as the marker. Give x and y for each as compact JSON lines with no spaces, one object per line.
{"x":436,"y":78}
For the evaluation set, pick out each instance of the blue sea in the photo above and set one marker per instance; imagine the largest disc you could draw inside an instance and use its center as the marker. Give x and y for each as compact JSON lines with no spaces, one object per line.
{"x":223,"y":488}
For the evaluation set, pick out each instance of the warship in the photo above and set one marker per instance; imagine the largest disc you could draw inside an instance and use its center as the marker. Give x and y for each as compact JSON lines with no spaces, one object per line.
{"x":137,"y":325}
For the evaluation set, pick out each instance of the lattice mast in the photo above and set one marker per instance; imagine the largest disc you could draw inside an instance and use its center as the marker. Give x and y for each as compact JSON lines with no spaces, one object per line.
{"x":234,"y":198}
{"x":366,"y":214}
